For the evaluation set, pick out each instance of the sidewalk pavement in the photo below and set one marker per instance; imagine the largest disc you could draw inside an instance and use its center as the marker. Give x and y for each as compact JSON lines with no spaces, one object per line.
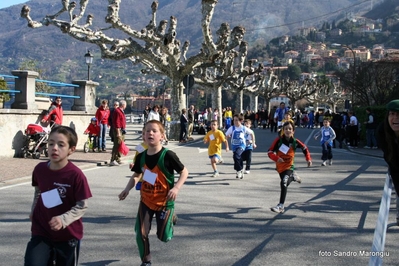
{"x":15,"y":169}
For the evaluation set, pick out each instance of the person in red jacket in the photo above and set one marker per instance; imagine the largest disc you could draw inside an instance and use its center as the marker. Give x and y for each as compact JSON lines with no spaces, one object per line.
{"x":102,"y":115}
{"x":55,"y":113}
{"x":119,"y":129}
{"x":94,"y":131}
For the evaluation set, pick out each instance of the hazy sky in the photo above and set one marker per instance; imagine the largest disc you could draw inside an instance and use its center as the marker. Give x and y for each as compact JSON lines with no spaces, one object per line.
{"x":7,"y":3}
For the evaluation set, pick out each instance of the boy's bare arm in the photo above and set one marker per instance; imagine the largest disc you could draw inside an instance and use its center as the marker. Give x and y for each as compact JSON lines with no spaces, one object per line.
{"x":132,"y":182}
{"x":172,"y":195}
{"x":227,"y":145}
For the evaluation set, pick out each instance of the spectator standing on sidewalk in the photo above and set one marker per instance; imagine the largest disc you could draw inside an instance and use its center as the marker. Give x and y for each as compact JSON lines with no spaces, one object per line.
{"x":102,"y":115}
{"x":371,"y":125}
{"x":119,"y":127}
{"x":55,"y":113}
{"x":352,"y":129}
{"x":183,"y":126}
{"x":154,"y":114}
{"x":279,"y":114}
{"x":190,"y":116}
{"x":388,"y":141}
{"x":272,"y":121}
{"x":110,"y":123}
{"x":164,"y":118}
{"x":146,"y":112}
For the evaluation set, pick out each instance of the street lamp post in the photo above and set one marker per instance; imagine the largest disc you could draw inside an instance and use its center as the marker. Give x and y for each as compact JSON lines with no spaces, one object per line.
{"x":89,"y":61}
{"x":353,"y":72}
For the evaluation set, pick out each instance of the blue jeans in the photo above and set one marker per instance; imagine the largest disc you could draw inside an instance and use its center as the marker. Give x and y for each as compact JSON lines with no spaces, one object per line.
{"x":327,"y":152}
{"x":370,"y":136}
{"x":102,"y":139}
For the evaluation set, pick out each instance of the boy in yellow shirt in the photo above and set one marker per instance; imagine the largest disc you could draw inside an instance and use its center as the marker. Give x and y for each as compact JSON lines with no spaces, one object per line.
{"x":287,"y":118}
{"x":215,"y":137}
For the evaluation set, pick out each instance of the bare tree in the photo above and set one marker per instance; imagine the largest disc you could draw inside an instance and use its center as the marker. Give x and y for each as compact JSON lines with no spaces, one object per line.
{"x":154,"y":46}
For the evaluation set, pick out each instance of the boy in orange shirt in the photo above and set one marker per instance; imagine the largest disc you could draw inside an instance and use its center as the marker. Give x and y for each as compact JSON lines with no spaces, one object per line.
{"x":282,"y":151}
{"x":156,"y":166}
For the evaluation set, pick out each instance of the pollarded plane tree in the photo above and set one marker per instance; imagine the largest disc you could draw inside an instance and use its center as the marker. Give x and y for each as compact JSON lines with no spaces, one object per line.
{"x":297,"y":90}
{"x":154,"y":46}
{"x":332,"y":94}
{"x":228,"y":70}
{"x":269,"y":88}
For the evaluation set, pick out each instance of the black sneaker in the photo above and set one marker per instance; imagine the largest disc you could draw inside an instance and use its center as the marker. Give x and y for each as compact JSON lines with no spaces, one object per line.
{"x":146,"y":263}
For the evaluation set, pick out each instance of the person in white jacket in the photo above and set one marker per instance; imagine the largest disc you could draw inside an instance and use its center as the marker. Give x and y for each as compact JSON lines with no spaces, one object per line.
{"x":154,"y":115}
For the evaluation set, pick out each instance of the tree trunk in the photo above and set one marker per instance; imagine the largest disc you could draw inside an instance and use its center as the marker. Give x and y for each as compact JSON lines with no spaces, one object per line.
{"x":178,"y":103}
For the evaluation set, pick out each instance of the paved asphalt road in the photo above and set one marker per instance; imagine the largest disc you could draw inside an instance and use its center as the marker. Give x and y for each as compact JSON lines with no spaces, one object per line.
{"x":329,"y":218}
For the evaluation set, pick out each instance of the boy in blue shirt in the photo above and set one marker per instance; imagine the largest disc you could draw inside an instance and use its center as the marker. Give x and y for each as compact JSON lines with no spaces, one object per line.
{"x":326,"y":141}
{"x":238,"y":143}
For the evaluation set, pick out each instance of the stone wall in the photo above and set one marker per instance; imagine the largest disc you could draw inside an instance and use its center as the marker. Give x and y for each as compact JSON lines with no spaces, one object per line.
{"x":13,"y":123}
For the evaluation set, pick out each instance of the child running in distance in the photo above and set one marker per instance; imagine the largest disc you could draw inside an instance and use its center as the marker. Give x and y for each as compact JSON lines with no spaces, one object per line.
{"x":156,"y":166}
{"x":287,"y":117}
{"x":60,"y":201}
{"x":237,"y":134}
{"x":250,"y":145}
{"x":282,"y":151}
{"x":327,"y":134}
{"x":215,"y":138}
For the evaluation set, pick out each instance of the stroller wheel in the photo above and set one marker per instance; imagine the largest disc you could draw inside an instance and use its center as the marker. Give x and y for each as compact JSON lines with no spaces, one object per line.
{"x":36,"y":155}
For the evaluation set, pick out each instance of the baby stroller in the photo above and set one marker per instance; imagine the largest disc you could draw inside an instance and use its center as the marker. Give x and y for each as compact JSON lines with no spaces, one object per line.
{"x":35,"y":141}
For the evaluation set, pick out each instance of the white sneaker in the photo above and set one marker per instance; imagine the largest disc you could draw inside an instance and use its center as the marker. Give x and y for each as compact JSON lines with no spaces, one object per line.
{"x":240,"y":174}
{"x":324,"y":163}
{"x":366,"y":147}
{"x":296,"y":178}
{"x":114,"y":163}
{"x":279,"y":208}
{"x":247,"y":171}
{"x":330,"y":162}
{"x":215,"y":174}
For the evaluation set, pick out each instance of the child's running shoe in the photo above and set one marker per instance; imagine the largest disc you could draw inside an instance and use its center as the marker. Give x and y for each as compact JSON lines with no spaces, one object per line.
{"x":279,"y":208}
{"x":215,"y":174}
{"x":296,"y":178}
{"x":324,"y":163}
{"x":330,"y":162}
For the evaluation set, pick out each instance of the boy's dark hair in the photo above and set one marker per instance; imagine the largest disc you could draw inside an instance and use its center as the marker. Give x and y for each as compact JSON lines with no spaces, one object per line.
{"x":69,"y":132}
{"x":327,"y":118}
{"x":214,"y":121}
{"x":239,"y":116}
{"x":248,"y":121}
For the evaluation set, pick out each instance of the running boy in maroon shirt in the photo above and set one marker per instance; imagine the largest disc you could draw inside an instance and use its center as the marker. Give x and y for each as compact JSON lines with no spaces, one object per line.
{"x":60,"y":201}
